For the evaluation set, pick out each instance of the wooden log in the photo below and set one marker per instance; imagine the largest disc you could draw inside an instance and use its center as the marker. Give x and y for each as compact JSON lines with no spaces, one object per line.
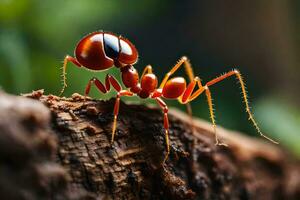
{"x":63,"y":151}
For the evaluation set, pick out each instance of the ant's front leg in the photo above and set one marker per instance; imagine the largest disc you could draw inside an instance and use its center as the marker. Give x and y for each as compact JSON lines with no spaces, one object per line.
{"x":104,"y":88}
{"x":100,"y":86}
{"x":116,"y":111}
{"x":66,"y":60}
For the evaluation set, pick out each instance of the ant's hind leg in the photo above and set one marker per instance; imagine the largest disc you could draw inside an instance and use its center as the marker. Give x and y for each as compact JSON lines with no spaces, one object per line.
{"x":164,"y":106}
{"x":66,"y":60}
{"x":245,"y":97}
{"x":190,"y":94}
{"x":212,"y":115}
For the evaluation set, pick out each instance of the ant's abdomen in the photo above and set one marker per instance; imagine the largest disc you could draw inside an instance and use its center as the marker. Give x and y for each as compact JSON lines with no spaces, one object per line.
{"x":174,"y":88}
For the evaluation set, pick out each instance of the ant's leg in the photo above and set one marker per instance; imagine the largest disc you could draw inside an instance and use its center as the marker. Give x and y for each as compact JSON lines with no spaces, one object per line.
{"x":245,"y":97}
{"x":109,"y":80}
{"x":113,"y":81}
{"x":116,"y":111}
{"x":189,"y":71}
{"x":98,"y":84}
{"x":190,"y":114}
{"x":66,"y":60}
{"x":164,"y":106}
{"x":182,"y":61}
{"x":212,"y":115}
{"x":190,"y":95}
{"x":147,"y":70}
{"x":116,"y":85}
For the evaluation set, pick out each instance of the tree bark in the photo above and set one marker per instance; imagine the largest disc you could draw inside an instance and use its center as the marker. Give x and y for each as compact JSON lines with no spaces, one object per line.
{"x":62,"y":151}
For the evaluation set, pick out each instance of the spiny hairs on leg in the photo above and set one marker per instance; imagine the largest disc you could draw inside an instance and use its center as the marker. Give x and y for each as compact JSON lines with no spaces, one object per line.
{"x":64,"y":78}
{"x":212,"y":116}
{"x":248,"y":110}
{"x":167,"y":145}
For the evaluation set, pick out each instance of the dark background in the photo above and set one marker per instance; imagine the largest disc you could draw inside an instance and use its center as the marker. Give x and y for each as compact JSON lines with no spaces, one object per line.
{"x":259,"y":37}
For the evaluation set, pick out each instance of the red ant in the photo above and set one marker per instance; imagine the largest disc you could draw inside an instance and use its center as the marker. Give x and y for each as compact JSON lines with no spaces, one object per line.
{"x":99,"y":51}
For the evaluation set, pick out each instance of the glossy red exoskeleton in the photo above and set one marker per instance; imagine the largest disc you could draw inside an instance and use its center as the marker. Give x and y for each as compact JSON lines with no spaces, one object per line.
{"x":99,"y":51}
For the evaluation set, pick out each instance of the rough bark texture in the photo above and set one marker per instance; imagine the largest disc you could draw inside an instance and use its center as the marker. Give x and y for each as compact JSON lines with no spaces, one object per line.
{"x":67,"y":155}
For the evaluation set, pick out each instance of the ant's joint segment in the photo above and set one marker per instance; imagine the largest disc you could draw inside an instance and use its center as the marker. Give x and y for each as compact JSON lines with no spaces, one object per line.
{"x":236,"y":71}
{"x":205,"y":87}
{"x":159,"y":90}
{"x":184,"y":58}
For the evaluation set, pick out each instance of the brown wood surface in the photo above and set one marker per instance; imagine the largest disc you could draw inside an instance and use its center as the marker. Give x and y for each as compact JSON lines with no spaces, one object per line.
{"x":62,"y":151}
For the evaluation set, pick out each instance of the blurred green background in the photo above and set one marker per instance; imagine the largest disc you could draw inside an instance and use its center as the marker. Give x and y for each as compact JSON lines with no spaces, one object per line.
{"x":258,"y":37}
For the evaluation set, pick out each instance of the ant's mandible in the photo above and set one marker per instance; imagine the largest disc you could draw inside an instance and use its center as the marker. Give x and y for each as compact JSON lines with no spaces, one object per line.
{"x":102,"y":50}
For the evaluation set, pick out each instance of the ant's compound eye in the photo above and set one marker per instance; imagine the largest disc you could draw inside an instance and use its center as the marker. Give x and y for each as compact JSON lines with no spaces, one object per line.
{"x":111,"y":45}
